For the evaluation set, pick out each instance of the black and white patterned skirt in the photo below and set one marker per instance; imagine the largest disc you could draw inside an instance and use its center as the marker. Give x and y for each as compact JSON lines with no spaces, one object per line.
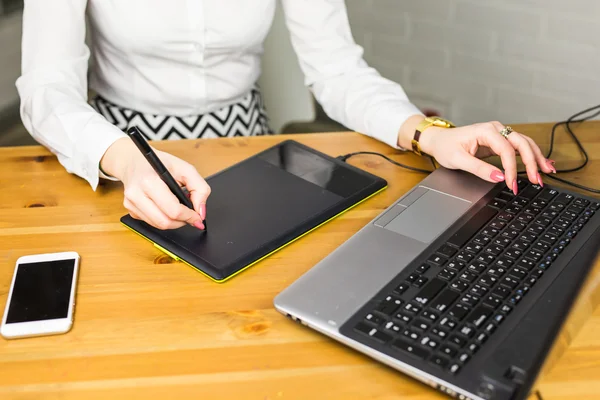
{"x":246,"y":118}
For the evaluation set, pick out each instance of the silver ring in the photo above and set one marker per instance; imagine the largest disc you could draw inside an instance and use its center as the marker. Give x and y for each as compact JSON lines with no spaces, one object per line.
{"x":506,"y":131}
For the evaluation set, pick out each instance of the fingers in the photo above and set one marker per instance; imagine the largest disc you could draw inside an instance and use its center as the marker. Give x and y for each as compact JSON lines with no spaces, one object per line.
{"x":527,"y":156}
{"x":545,"y":164}
{"x":491,"y":137}
{"x":199,"y":190}
{"x":146,"y":208}
{"x":480,"y":168}
{"x":160,"y":194}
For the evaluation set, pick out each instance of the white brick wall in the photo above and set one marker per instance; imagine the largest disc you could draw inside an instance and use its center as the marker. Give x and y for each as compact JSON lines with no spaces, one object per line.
{"x":475,"y":60}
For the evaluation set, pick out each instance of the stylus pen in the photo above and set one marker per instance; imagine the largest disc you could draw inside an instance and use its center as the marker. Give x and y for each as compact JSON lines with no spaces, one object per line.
{"x":158,"y":166}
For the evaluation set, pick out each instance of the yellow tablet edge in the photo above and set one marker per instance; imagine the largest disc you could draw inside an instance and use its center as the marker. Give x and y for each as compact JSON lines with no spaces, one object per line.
{"x":173,"y":256}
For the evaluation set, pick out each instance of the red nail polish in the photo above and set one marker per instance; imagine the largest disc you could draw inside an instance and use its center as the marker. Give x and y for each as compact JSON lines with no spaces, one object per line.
{"x":515,"y":187}
{"x":551,"y":161}
{"x":497,"y":176}
{"x":199,"y":225}
{"x":203,"y":211}
{"x":540,"y":182}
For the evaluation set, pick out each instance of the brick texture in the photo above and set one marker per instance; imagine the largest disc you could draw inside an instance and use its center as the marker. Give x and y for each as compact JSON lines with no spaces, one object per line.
{"x":511,"y":60}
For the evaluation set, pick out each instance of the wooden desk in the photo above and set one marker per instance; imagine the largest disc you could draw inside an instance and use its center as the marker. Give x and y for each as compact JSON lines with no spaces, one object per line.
{"x":148,"y":328}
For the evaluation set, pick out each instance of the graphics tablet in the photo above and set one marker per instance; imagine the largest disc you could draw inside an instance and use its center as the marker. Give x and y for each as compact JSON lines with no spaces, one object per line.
{"x":262,"y":204}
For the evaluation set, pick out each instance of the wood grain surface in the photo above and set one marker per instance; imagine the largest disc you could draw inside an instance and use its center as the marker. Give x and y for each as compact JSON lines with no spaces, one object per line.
{"x":150,"y":328}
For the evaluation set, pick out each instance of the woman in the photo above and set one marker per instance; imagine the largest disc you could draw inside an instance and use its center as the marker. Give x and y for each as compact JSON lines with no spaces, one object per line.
{"x":187,"y":68}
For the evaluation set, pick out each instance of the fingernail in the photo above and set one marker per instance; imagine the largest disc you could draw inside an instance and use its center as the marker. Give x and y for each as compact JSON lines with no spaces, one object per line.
{"x":539,"y":179}
{"x":203,"y":211}
{"x":497,"y":176}
{"x":199,"y":224}
{"x":551,"y":161}
{"x":550,"y":164}
{"x":515,"y":187}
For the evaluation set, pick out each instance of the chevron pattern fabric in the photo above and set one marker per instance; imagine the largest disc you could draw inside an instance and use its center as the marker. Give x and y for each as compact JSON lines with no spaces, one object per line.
{"x":246,"y":118}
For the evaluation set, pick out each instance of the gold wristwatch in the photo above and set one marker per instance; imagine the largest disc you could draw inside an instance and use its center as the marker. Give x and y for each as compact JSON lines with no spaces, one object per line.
{"x":426,"y":123}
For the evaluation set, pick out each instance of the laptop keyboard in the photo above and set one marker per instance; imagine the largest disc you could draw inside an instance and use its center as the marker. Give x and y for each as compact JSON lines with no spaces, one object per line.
{"x":472,"y":283}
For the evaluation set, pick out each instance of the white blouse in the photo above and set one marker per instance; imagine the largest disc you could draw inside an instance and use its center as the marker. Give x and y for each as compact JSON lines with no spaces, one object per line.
{"x":184,"y":57}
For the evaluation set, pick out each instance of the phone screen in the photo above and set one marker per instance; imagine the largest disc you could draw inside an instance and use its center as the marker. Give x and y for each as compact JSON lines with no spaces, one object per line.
{"x":41,"y":291}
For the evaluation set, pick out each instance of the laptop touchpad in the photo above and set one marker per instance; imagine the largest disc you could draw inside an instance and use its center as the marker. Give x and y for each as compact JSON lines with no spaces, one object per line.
{"x":429,"y":216}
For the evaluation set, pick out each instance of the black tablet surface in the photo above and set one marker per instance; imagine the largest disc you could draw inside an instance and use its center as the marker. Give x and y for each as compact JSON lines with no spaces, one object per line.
{"x":261,"y":204}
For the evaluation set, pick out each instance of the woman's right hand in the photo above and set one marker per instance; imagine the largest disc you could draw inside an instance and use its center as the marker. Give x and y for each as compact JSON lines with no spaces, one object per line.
{"x":147,"y":197}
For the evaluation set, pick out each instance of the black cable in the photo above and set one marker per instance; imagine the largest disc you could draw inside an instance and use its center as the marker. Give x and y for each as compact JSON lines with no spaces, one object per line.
{"x":415,"y":169}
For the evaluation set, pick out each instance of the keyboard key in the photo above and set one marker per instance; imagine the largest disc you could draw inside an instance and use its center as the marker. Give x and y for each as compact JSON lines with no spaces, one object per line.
{"x":479,"y":315}
{"x":506,"y":309}
{"x":519,"y":202}
{"x":412,"y":278}
{"x":374,"y":319}
{"x":429,"y":315}
{"x":517,"y":226}
{"x":490,"y":328}
{"x":530,"y":192}
{"x":487,"y":280}
{"x":506,"y":195}
{"x":446,"y":251}
{"x":421,"y":324}
{"x":533,"y":210}
{"x":392,"y":327}
{"x":440,"y":361}
{"x":492,"y":301}
{"x":470,"y":300}
{"x":509,"y":282}
{"x":373,"y":332}
{"x":430,"y":342}
{"x":448,"y":351}
{"x":515,"y":299}
{"x":497,"y":204}
{"x":448,"y":323}
{"x":439,"y":332}
{"x":513,"y":209}
{"x":518,"y":273}
{"x":595,"y":206}
{"x":540,"y":247}
{"x":501,"y":292}
{"x":405,"y":318}
{"x":528,"y":237}
{"x":467,"y":276}
{"x":431,"y":290}
{"x":486,"y":258}
{"x":481,"y":338}
{"x":477,"y":267}
{"x":472,"y":348}
{"x":401,"y":288}
{"x":525,"y":263}
{"x":444,"y":300}
{"x":467,"y":331}
{"x":498,"y":224}
{"x":461,"y":286}
{"x":420,"y":282}
{"x":412,"y":309}
{"x":535,"y":229}
{"x":564,"y":198}
{"x":464,"y":256}
{"x":411,"y":334}
{"x":410,"y":348}
{"x":421,"y":269}
{"x":459,"y":311}
{"x":533,"y":255}
{"x":547,"y":194}
{"x":454,"y":368}
{"x":537,"y":273}
{"x":543,"y":221}
{"x":489,"y":231}
{"x":494,"y":250}
{"x":550,"y":214}
{"x":447,"y":274}
{"x":505,"y":216}
{"x":504,"y":262}
{"x":466,"y":232}
{"x":482,"y":240}
{"x":502,"y":242}
{"x":510,"y":233}
{"x":496,"y":271}
{"x":437,"y":260}
{"x":581,"y":202}
{"x":457,"y":340}
{"x":539,"y":203}
{"x":456,"y":265}
{"x":525,"y":218}
{"x":575,"y":209}
{"x":463,"y":357}
{"x":513,"y":253}
{"x":389,"y":306}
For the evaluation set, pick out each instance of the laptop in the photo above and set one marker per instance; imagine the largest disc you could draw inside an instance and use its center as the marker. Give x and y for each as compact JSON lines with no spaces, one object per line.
{"x":459,"y":284}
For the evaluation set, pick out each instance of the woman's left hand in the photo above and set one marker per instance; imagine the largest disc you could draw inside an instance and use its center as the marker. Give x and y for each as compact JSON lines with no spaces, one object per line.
{"x":464,"y":147}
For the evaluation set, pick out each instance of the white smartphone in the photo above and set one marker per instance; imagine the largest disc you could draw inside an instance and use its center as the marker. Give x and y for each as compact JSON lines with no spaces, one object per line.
{"x":42,"y":296}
